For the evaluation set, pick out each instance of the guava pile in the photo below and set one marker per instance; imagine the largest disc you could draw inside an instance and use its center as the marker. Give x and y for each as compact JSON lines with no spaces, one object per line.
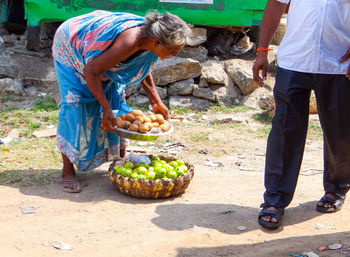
{"x":157,"y":169}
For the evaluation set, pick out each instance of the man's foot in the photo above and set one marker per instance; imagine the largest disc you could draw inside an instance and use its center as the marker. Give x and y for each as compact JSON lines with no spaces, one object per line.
{"x":270,"y":217}
{"x":71,"y":185}
{"x":330,"y":202}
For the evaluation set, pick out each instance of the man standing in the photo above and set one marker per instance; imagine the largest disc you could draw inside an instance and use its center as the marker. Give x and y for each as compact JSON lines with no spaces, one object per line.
{"x":310,"y":57}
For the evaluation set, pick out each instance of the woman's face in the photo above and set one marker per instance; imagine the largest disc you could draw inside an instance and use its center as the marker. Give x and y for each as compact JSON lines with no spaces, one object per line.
{"x":165,"y":51}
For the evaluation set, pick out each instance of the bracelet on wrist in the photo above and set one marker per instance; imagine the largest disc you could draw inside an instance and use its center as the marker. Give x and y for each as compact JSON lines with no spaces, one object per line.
{"x":261,"y":49}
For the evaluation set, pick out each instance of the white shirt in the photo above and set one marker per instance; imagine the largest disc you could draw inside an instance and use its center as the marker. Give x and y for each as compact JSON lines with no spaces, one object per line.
{"x":317,"y":36}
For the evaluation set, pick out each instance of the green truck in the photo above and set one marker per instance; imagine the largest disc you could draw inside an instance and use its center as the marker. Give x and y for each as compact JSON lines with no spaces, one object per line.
{"x":196,"y":12}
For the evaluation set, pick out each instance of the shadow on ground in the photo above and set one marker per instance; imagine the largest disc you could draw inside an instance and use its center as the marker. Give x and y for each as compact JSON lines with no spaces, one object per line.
{"x":272,"y":248}
{"x":225,"y":217}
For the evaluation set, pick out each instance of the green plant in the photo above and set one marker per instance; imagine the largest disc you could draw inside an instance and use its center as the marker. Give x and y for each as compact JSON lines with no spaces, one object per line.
{"x":262,"y":118}
{"x":229,"y":109}
{"x":199,"y":136}
{"x":45,"y":104}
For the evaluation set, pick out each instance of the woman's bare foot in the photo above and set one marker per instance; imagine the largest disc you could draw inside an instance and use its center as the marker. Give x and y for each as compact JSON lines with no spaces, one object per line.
{"x":69,"y":180}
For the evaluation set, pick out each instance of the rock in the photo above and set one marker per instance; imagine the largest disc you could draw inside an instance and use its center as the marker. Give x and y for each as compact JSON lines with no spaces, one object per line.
{"x":32,"y":91}
{"x":281,"y":30}
{"x":205,"y":93}
{"x":199,"y":36}
{"x":45,"y":133}
{"x":11,"y":86}
{"x":188,"y":102}
{"x":132,"y":89}
{"x":175,"y":69}
{"x":196,"y":53}
{"x":162,"y":92}
{"x":241,"y":73}
{"x":202,"y":83}
{"x":267,"y":102}
{"x":8,"y":69}
{"x":2,"y":44}
{"x":9,"y":40}
{"x":213,"y":72}
{"x":138,"y":99}
{"x":14,"y":133}
{"x":45,"y":81}
{"x":313,"y":103}
{"x":260,"y":98}
{"x":226,"y":95}
{"x":184,"y":87}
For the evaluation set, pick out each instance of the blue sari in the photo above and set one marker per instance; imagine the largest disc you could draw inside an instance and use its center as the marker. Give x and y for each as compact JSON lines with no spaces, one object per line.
{"x":77,"y":41}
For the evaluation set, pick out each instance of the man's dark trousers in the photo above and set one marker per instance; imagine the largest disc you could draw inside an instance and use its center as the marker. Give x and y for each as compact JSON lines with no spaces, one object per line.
{"x":286,"y":141}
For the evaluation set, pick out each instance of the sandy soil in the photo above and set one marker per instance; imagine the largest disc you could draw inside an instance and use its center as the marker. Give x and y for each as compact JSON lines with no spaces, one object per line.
{"x":203,"y":221}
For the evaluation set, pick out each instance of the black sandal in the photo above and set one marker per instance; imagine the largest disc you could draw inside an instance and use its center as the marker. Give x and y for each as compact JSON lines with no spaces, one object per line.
{"x":337,"y":203}
{"x":277,"y":214}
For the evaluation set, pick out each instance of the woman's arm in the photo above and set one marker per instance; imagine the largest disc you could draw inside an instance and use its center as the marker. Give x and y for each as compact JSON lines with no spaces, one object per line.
{"x":157,"y":104}
{"x":123,"y":47}
{"x":271,"y":19}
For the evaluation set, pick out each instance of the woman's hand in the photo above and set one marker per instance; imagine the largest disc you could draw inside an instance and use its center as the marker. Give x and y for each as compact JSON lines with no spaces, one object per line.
{"x":344,"y":59}
{"x":161,"y":109}
{"x":108,"y":120}
{"x":261,"y":64}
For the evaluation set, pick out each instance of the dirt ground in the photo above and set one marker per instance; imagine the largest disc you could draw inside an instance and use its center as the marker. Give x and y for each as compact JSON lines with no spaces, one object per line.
{"x":204,"y":221}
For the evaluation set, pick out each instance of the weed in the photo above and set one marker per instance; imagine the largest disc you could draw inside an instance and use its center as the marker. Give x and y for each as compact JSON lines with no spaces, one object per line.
{"x":5,"y":98}
{"x":45,"y":104}
{"x":229,"y":109}
{"x":262,"y":118}
{"x":201,"y":136}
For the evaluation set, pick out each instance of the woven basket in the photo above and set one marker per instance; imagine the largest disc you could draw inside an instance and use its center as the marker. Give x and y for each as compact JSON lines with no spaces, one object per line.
{"x":151,"y":189}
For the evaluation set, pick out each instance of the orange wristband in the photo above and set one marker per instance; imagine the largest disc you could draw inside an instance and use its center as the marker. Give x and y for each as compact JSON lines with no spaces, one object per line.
{"x":262,"y":49}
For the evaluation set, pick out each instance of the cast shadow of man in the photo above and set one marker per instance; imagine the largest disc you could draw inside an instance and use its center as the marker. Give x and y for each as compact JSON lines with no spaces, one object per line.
{"x":226,"y":218}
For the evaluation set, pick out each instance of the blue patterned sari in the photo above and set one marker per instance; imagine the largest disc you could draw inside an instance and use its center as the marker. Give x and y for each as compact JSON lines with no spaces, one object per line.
{"x":77,"y":41}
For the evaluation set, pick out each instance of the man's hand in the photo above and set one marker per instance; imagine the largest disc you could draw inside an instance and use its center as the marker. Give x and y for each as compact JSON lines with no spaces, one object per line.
{"x":344,"y":59}
{"x":261,"y":64}
{"x":108,"y":120}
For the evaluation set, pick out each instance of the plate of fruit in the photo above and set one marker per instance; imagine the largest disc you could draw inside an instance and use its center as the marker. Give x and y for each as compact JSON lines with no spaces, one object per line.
{"x":164,"y":176}
{"x":144,"y":127}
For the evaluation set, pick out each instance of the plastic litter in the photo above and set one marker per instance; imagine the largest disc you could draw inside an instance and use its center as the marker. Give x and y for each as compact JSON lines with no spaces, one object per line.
{"x":137,"y":159}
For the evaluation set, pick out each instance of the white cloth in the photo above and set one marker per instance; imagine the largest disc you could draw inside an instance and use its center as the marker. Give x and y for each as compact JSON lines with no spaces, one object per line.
{"x":317,"y":36}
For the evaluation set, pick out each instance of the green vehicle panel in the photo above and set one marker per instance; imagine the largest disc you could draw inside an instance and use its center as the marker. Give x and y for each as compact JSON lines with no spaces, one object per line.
{"x":196,"y":12}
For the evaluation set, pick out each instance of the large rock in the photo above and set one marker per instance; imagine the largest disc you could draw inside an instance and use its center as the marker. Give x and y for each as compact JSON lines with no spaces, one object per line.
{"x":226,"y":95}
{"x":184,"y":87}
{"x":213,"y":72}
{"x":11,"y":86}
{"x":137,"y":99}
{"x":313,"y":103}
{"x":8,"y":69}
{"x":267,"y":102}
{"x":281,"y":30}
{"x":175,"y":69}
{"x":131,"y":89}
{"x":204,"y":93}
{"x":188,"y":102}
{"x":241,"y":73}
{"x":199,"y":36}
{"x":162,"y":92}
{"x":196,"y":53}
{"x":202,"y":83}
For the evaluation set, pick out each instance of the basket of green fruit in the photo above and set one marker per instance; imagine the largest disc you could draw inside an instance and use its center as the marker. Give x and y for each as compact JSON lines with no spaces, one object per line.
{"x":165,"y":176}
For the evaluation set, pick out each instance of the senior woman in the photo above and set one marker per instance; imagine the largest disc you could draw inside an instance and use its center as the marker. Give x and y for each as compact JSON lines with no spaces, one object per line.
{"x":96,"y":55}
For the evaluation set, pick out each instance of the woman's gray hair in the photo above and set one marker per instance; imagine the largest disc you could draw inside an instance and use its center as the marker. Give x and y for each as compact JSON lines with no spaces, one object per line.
{"x":168,"y":28}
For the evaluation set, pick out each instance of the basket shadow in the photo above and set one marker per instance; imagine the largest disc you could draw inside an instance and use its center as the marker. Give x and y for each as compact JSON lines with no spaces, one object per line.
{"x":96,"y":186}
{"x":225,"y":218}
